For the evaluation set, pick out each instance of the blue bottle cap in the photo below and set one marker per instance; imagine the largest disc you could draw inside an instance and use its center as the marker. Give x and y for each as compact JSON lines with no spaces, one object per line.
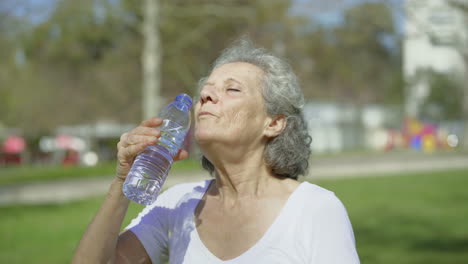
{"x":184,"y":98}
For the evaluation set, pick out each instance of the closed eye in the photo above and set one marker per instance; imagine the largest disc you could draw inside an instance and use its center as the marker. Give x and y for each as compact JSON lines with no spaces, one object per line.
{"x":233,"y":89}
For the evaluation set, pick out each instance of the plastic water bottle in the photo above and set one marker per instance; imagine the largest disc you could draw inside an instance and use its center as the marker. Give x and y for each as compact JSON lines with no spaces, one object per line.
{"x":150,"y":168}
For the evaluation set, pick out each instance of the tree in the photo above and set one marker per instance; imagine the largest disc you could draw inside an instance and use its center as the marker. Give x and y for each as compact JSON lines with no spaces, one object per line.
{"x":445,"y":98}
{"x":82,"y":63}
{"x":10,"y":27}
{"x":358,"y":61}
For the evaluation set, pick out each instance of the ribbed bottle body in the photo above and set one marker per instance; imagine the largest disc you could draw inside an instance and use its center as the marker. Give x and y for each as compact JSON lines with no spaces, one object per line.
{"x":150,"y":168}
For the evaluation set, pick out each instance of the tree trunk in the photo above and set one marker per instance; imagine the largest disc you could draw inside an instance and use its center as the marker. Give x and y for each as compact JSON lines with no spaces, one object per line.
{"x":464,"y":139}
{"x":151,"y":59}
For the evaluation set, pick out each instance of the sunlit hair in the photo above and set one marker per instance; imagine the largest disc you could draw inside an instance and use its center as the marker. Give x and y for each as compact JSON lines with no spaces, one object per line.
{"x":287,"y":154}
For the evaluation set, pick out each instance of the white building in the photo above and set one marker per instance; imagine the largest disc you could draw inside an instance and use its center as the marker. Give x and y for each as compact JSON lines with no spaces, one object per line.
{"x":336,"y":127}
{"x":435,"y":32}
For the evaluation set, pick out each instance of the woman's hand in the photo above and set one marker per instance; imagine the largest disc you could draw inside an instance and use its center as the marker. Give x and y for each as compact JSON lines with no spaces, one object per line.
{"x":135,"y":141}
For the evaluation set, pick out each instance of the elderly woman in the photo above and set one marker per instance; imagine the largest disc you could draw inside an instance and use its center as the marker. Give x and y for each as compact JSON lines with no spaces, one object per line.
{"x":251,"y":130}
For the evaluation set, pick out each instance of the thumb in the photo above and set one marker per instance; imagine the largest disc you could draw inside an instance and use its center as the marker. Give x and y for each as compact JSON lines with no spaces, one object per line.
{"x":181,"y":155}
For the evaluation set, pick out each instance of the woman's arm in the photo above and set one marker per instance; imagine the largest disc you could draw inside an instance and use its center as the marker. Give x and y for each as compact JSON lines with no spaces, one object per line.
{"x":101,"y":242}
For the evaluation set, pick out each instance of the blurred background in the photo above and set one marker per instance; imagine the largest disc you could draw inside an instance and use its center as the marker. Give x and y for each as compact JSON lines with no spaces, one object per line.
{"x":386,"y":98}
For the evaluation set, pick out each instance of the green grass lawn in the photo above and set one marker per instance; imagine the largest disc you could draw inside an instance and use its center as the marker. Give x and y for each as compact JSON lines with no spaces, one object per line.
{"x":48,"y":173}
{"x":418,"y":218}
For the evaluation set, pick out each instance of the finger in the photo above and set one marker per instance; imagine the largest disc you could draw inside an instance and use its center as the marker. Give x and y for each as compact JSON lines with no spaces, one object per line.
{"x":181,"y":155}
{"x":129,"y":153}
{"x":149,"y":131}
{"x":138,"y":139}
{"x":152,"y":122}
{"x":129,"y":138}
{"x":123,"y":139}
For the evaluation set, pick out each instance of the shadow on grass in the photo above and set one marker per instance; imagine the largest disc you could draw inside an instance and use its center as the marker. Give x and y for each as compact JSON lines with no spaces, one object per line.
{"x":412,"y":233}
{"x":443,"y":244}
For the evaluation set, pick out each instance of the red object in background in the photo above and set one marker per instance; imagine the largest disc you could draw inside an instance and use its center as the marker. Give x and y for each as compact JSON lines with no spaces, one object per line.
{"x":64,"y":142}
{"x":9,"y":159}
{"x":13,"y":145}
{"x":72,"y":157}
{"x":12,"y":148}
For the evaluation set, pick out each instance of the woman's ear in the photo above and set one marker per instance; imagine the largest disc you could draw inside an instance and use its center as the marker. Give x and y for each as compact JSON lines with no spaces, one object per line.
{"x":275,"y":125}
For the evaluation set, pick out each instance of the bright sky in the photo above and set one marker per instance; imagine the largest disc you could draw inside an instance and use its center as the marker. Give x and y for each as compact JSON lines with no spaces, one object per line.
{"x":327,"y":12}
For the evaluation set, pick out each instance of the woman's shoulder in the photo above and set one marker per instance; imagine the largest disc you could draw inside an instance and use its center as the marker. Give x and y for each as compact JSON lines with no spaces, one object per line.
{"x":316,"y":198}
{"x":316,"y":191}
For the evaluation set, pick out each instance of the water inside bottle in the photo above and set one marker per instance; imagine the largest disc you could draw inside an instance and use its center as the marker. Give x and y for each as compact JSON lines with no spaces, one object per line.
{"x":142,"y":190}
{"x":172,"y":136}
{"x":148,"y":175}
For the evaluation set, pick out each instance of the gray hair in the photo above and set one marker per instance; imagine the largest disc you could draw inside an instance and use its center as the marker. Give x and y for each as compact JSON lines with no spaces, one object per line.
{"x":288,"y":153}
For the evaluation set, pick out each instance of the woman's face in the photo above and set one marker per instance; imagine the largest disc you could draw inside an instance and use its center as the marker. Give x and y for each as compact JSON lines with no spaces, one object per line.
{"x":231,"y":108}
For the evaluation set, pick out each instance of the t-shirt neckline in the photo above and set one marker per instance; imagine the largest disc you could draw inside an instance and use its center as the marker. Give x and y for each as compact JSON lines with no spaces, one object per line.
{"x":261,"y":243}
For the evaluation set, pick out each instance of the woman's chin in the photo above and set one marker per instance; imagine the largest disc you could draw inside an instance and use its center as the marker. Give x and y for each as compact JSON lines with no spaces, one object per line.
{"x":203,"y":137}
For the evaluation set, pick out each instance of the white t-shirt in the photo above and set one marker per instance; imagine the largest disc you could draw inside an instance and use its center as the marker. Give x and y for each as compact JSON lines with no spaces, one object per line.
{"x":313,"y":227}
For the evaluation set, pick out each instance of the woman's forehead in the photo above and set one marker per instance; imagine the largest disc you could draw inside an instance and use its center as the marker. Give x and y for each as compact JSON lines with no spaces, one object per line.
{"x":242,"y":72}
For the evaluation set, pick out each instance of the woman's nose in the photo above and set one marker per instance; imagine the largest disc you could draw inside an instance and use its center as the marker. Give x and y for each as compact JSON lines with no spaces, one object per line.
{"x":207,"y":95}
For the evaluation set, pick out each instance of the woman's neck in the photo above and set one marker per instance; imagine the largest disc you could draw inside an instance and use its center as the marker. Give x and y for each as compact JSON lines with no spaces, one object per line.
{"x":249,"y":178}
{"x":240,"y":172}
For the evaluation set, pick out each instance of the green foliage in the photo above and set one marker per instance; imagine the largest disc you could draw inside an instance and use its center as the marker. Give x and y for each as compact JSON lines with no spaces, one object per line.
{"x":354,"y":60}
{"x":82,"y":63}
{"x":414,"y":218}
{"x":445,"y":98}
{"x":84,"y":59}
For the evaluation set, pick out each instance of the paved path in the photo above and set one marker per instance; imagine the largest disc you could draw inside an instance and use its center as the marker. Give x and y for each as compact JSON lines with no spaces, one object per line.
{"x":321,"y":168}
{"x":70,"y":190}
{"x":384,"y":165}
